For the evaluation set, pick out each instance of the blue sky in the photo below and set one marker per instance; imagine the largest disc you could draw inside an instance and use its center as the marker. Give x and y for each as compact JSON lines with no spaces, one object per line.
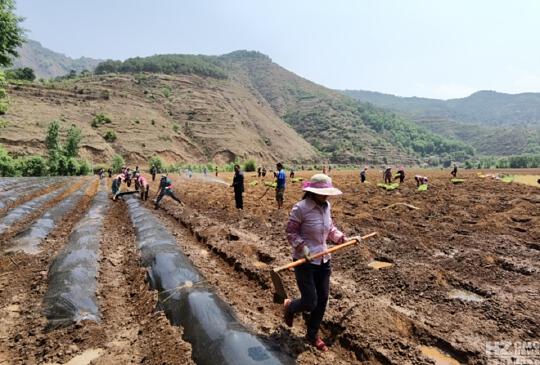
{"x":431,"y":48}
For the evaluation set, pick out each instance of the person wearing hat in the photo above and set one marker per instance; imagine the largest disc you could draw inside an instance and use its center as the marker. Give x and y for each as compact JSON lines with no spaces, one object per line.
{"x":310,"y":226}
{"x":165,"y":188}
{"x":400,"y":174}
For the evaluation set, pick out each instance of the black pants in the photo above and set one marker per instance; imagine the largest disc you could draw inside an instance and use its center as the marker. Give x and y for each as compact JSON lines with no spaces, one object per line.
{"x":362,"y":178}
{"x":153,"y":177}
{"x":239,"y":199}
{"x":144,"y":192}
{"x":164,"y":192}
{"x":314,"y":284}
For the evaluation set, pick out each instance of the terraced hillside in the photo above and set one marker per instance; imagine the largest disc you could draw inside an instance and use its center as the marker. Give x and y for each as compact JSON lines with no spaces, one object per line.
{"x":180,"y":118}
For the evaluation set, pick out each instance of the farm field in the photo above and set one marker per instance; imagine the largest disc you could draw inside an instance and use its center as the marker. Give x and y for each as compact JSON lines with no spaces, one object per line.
{"x":456,"y":274}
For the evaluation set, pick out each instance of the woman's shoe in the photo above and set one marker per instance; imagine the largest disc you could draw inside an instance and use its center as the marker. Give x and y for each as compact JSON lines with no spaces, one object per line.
{"x":287,"y":316}
{"x":319,"y":344}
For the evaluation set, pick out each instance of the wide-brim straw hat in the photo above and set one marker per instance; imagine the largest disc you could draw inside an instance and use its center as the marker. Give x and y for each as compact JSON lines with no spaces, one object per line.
{"x":320,"y":184}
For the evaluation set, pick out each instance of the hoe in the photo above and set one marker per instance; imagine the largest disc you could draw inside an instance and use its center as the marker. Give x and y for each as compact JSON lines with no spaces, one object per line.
{"x":280,"y":292}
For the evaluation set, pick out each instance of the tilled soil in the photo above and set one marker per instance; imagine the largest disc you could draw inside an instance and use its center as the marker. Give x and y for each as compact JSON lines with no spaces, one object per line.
{"x":481,"y":237}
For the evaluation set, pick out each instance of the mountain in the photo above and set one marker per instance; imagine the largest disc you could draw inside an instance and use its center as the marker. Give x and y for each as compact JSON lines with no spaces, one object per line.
{"x":200,"y":108}
{"x":48,"y":64}
{"x":494,"y":123}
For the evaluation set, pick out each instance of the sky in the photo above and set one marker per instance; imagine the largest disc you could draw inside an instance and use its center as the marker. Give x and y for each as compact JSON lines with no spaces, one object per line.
{"x":427,"y":48}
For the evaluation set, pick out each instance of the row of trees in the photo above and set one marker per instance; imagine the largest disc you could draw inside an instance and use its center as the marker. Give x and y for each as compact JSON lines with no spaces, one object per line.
{"x":168,"y":64}
{"x":506,"y":162}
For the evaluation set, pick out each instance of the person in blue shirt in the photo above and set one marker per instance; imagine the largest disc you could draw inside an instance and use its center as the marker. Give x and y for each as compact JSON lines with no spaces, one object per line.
{"x":280,"y":184}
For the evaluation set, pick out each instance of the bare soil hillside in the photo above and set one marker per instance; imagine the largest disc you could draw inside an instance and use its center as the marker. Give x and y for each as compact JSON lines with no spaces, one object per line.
{"x":181,"y":118}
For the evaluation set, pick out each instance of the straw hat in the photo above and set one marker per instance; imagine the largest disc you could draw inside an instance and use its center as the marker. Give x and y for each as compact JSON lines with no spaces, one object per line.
{"x":321,"y":184}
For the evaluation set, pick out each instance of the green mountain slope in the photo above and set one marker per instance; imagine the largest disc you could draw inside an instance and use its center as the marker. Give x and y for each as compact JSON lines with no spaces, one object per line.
{"x":344,"y":130}
{"x":494,"y":123}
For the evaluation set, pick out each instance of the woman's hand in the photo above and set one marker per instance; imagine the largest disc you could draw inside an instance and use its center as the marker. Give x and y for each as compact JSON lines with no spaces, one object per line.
{"x":306,"y":253}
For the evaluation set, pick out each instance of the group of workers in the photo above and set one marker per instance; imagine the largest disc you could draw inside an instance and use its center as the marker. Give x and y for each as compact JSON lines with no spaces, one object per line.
{"x":388,"y":178}
{"x":142,"y":186}
{"x":309,"y":228}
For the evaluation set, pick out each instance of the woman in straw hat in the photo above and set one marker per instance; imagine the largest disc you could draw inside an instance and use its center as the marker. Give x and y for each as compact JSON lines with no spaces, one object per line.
{"x":310,"y":226}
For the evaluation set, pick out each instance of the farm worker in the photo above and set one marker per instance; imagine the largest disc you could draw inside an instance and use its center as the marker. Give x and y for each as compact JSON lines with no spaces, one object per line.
{"x":263,"y":172}
{"x":238,"y":185}
{"x":259,"y":171}
{"x":109,"y":171}
{"x":143,"y":186}
{"x":128,"y":175}
{"x":216,"y":171}
{"x":400,"y":174}
{"x":280,"y":184}
{"x":291,"y":175}
{"x":454,"y":171}
{"x":420,"y":180}
{"x":387,"y":175}
{"x":165,"y":188}
{"x":310,"y":226}
{"x":117,"y":182}
{"x":363,"y":174}
{"x":153,"y":171}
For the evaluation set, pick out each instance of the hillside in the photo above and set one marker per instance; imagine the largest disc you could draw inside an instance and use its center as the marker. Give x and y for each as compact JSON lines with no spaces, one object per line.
{"x":181,"y":118}
{"x":345,"y":131}
{"x":494,"y":123}
{"x":48,"y":64}
{"x":239,"y":105}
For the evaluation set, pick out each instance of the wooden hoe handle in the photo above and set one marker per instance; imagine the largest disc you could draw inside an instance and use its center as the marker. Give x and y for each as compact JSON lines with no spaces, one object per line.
{"x":319,"y":254}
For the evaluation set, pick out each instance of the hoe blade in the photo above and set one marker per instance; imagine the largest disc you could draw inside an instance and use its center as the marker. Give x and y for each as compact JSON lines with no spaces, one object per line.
{"x":280,"y":293}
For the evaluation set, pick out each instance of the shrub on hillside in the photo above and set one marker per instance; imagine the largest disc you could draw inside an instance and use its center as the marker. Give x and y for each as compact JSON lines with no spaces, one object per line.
{"x":110,"y":136}
{"x":23,"y":74}
{"x":250,"y":166}
{"x":117,"y":163}
{"x":100,"y":119}
{"x":32,"y":166}
{"x":7,"y":164}
{"x":156,"y":161}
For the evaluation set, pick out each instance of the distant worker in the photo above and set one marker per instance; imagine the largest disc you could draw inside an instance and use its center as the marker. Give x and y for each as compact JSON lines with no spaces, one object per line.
{"x":205,"y":171}
{"x":363,"y":174}
{"x":216,"y":172}
{"x":420,"y":180}
{"x":400,"y":174}
{"x":116,"y":184}
{"x":101,"y":172}
{"x":324,"y":169}
{"x":454,"y":171}
{"x":291,"y":175}
{"x":238,"y":185}
{"x":280,"y":184}
{"x":109,"y":171}
{"x":128,"y":176}
{"x":143,"y":187}
{"x":263,"y":172}
{"x":387,"y":175}
{"x":165,"y":188}
{"x":153,"y":171}
{"x":259,"y":171}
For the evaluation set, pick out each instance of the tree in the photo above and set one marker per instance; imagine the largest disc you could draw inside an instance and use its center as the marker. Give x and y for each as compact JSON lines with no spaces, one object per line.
{"x":3,"y":94}
{"x":52,"y":141}
{"x":11,"y":34}
{"x":25,"y":74}
{"x":71,"y":147}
